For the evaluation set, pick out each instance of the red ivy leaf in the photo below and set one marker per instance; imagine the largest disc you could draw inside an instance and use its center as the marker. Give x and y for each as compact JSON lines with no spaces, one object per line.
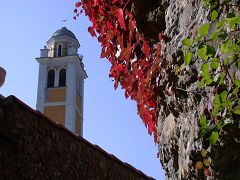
{"x":132,"y":25}
{"x":92,"y":31}
{"x":161,"y":36}
{"x":110,"y":34}
{"x":125,"y":53}
{"x":104,"y":52}
{"x":109,"y":25}
{"x":78,"y":4}
{"x":116,"y":85}
{"x":120,"y":67}
{"x":146,"y":49}
{"x":159,"y":49}
{"x":169,"y":91}
{"x":114,"y":1}
{"x":119,"y":14}
{"x":127,"y":94}
{"x":207,"y":172}
{"x":112,"y":74}
{"x":120,"y":41}
{"x":136,"y":73}
{"x":151,"y":125}
{"x":75,"y":10}
{"x":94,"y":2}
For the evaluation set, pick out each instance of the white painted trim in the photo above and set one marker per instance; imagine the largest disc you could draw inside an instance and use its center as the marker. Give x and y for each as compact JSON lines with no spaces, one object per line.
{"x":61,"y":61}
{"x":56,"y":87}
{"x":42,"y":81}
{"x":56,"y":81}
{"x":78,"y":109}
{"x":81,"y":120}
{"x":70,"y":115}
{"x":47,"y":104}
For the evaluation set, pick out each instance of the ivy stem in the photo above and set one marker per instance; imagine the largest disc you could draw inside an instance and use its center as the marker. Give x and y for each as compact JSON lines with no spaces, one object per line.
{"x":234,"y":62}
{"x":126,"y":4}
{"x":189,"y":91}
{"x":228,"y":5}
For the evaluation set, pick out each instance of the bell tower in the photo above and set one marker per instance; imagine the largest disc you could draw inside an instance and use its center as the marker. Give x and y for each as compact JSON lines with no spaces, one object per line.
{"x":61,"y":81}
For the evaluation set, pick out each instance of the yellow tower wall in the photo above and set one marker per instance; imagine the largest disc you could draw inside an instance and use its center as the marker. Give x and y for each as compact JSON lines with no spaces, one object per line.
{"x":78,"y":118}
{"x":77,"y":124}
{"x":56,"y":94}
{"x":56,"y":113}
{"x":78,"y":102}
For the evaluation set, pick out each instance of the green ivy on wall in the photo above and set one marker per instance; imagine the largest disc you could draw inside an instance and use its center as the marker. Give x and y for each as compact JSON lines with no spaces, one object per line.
{"x":217,"y":45}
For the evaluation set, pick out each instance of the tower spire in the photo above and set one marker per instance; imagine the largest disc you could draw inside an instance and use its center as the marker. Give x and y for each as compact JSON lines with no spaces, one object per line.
{"x":61,"y":81}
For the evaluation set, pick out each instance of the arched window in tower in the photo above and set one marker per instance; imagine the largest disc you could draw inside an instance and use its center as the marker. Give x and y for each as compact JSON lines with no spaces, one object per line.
{"x":51,"y":77}
{"x":62,"y":78}
{"x":59,"y":50}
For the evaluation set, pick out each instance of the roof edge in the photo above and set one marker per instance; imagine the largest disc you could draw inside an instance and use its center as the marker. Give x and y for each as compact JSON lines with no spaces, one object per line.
{"x":10,"y":99}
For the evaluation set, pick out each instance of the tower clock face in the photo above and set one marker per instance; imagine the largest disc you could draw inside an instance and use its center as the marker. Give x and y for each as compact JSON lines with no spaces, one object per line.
{"x":2,"y":76}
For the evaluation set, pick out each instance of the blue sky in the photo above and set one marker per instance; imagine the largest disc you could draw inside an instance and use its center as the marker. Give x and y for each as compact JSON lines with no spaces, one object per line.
{"x":110,"y":121}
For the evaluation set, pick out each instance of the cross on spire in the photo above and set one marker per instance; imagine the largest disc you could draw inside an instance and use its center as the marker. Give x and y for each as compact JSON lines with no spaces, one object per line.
{"x":64,"y":21}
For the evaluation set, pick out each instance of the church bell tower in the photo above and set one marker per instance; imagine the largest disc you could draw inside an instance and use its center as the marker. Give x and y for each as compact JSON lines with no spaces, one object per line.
{"x":61,"y":81}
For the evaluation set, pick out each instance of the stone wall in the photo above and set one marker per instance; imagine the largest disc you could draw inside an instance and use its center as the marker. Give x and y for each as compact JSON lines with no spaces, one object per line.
{"x":178,"y":118}
{"x":178,"y":122}
{"x":34,"y":147}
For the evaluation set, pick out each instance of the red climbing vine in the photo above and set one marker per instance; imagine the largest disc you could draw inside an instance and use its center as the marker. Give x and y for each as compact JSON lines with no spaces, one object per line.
{"x":134,"y":65}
